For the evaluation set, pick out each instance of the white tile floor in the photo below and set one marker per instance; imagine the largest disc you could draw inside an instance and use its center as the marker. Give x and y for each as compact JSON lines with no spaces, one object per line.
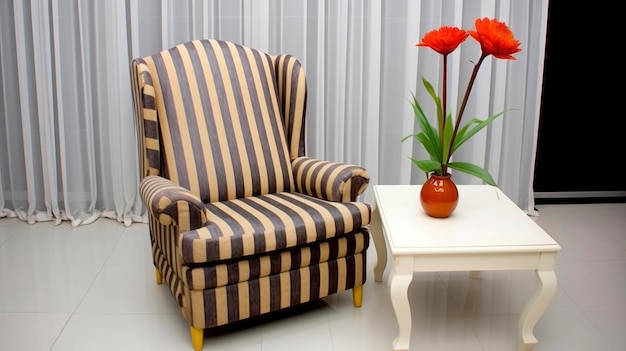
{"x":92,"y":288}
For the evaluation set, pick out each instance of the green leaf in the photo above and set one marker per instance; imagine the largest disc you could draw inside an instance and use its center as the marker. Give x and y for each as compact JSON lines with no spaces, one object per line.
{"x":414,"y":135}
{"x":431,"y":148}
{"x":430,"y":140}
{"x":465,"y":133}
{"x":474,"y":170}
{"x":431,"y":91}
{"x":427,"y":166}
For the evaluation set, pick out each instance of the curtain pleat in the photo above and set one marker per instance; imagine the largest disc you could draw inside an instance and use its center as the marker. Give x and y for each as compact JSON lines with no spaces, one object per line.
{"x":67,"y":151}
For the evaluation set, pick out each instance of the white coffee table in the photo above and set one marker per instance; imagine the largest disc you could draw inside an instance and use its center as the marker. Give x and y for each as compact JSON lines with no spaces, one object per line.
{"x":487,"y":231}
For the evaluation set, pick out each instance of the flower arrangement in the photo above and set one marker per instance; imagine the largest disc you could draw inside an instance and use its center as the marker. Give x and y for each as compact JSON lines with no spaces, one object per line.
{"x":495,"y":38}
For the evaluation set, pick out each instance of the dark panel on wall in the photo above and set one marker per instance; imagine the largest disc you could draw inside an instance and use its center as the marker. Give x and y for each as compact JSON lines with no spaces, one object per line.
{"x":582,"y":137}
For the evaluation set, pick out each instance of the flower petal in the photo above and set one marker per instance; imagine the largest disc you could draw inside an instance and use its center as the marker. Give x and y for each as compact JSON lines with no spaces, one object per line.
{"x":495,"y":38}
{"x":444,"y":40}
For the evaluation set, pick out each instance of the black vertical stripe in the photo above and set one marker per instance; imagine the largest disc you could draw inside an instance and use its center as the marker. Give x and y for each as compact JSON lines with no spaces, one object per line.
{"x":314,"y":279}
{"x":301,"y":115}
{"x":255,"y":296}
{"x":250,"y":94}
{"x":214,"y":82}
{"x":148,"y":102}
{"x":218,"y":84}
{"x":170,"y":119}
{"x":315,"y":253}
{"x":290,"y":114}
{"x":333,"y":248}
{"x":153,"y":159}
{"x":210,"y":277}
{"x":285,"y":77}
{"x":192,"y":118}
{"x":254,"y":264}
{"x":231,"y":74}
{"x":293,"y":76}
{"x":275,"y":263}
{"x":296,"y":286}
{"x":150,"y":127}
{"x":210,"y":307}
{"x":268,"y":121}
{"x":233,"y":275}
{"x":202,"y":79}
{"x":190,"y":114}
{"x":275,"y":289}
{"x":296,"y":259}
{"x":351,"y":270}
{"x":333,"y":277}
{"x":232,"y":302}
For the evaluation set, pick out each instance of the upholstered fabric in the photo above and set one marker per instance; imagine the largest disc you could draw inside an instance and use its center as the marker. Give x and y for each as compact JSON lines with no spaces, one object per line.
{"x":228,"y":272}
{"x":292,"y":101}
{"x":219,"y":119}
{"x":207,"y":308}
{"x":252,"y":225}
{"x":242,"y":222}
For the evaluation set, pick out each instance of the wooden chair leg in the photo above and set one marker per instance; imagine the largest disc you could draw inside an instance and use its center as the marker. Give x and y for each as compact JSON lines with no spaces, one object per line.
{"x":357,"y":295}
{"x":159,"y":277}
{"x":197,"y":338}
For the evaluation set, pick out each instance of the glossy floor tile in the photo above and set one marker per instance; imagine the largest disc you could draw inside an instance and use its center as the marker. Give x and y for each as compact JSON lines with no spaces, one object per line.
{"x":92,"y":288}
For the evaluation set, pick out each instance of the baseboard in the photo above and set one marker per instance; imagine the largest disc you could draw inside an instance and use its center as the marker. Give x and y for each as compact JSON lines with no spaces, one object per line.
{"x":580,"y":197}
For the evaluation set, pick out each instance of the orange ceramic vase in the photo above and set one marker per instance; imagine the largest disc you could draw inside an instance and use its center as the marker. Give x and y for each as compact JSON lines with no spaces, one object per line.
{"x":439,"y":196}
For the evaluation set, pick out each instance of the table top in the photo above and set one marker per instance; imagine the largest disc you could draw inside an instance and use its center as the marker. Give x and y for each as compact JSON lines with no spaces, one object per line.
{"x":485,"y":220}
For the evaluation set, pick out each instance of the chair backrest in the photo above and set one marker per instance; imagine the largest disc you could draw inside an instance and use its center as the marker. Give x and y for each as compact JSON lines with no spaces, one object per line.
{"x":220,"y":119}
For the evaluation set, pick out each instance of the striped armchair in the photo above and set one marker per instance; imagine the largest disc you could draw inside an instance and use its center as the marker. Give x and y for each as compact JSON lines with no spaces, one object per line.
{"x":242,"y":222}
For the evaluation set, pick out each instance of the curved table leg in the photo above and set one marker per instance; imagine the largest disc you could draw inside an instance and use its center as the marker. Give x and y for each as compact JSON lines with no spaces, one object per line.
{"x":399,"y":281}
{"x":537,"y":305}
{"x":379,"y":243}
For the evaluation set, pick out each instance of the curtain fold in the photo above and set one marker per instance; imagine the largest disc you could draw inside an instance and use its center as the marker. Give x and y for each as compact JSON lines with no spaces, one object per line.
{"x":67,"y":151}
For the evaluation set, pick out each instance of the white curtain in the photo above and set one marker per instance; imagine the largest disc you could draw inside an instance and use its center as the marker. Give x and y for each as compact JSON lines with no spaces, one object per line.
{"x":67,"y":139}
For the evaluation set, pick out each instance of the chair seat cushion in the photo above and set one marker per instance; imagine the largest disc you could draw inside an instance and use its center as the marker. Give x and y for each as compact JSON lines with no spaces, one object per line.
{"x":249,"y":268}
{"x":257,"y":225}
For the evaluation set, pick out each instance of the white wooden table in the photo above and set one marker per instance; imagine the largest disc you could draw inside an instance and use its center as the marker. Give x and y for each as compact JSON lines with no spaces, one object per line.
{"x":487,"y":231}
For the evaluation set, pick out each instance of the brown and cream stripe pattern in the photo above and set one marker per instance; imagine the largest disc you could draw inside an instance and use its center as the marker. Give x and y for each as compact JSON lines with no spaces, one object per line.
{"x":332,"y":181}
{"x":247,"y":226}
{"x":257,"y":266}
{"x":293,"y":95}
{"x":241,"y":221}
{"x":219,"y":120}
{"x":310,"y":272}
{"x":267,"y":223}
{"x":251,"y":298}
{"x":146,"y":124}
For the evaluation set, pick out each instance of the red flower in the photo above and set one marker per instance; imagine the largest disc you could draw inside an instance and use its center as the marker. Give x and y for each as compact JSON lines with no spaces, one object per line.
{"x":444,"y":40}
{"x":495,"y":38}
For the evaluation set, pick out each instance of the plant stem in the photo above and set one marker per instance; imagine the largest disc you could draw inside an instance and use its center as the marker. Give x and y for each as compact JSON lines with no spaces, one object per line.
{"x":442,"y":120}
{"x":444,"y":101}
{"x":470,"y":84}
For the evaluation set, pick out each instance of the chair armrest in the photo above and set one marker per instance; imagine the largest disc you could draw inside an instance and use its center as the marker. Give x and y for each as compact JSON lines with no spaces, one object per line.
{"x":171,"y":204}
{"x":333,"y":181}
